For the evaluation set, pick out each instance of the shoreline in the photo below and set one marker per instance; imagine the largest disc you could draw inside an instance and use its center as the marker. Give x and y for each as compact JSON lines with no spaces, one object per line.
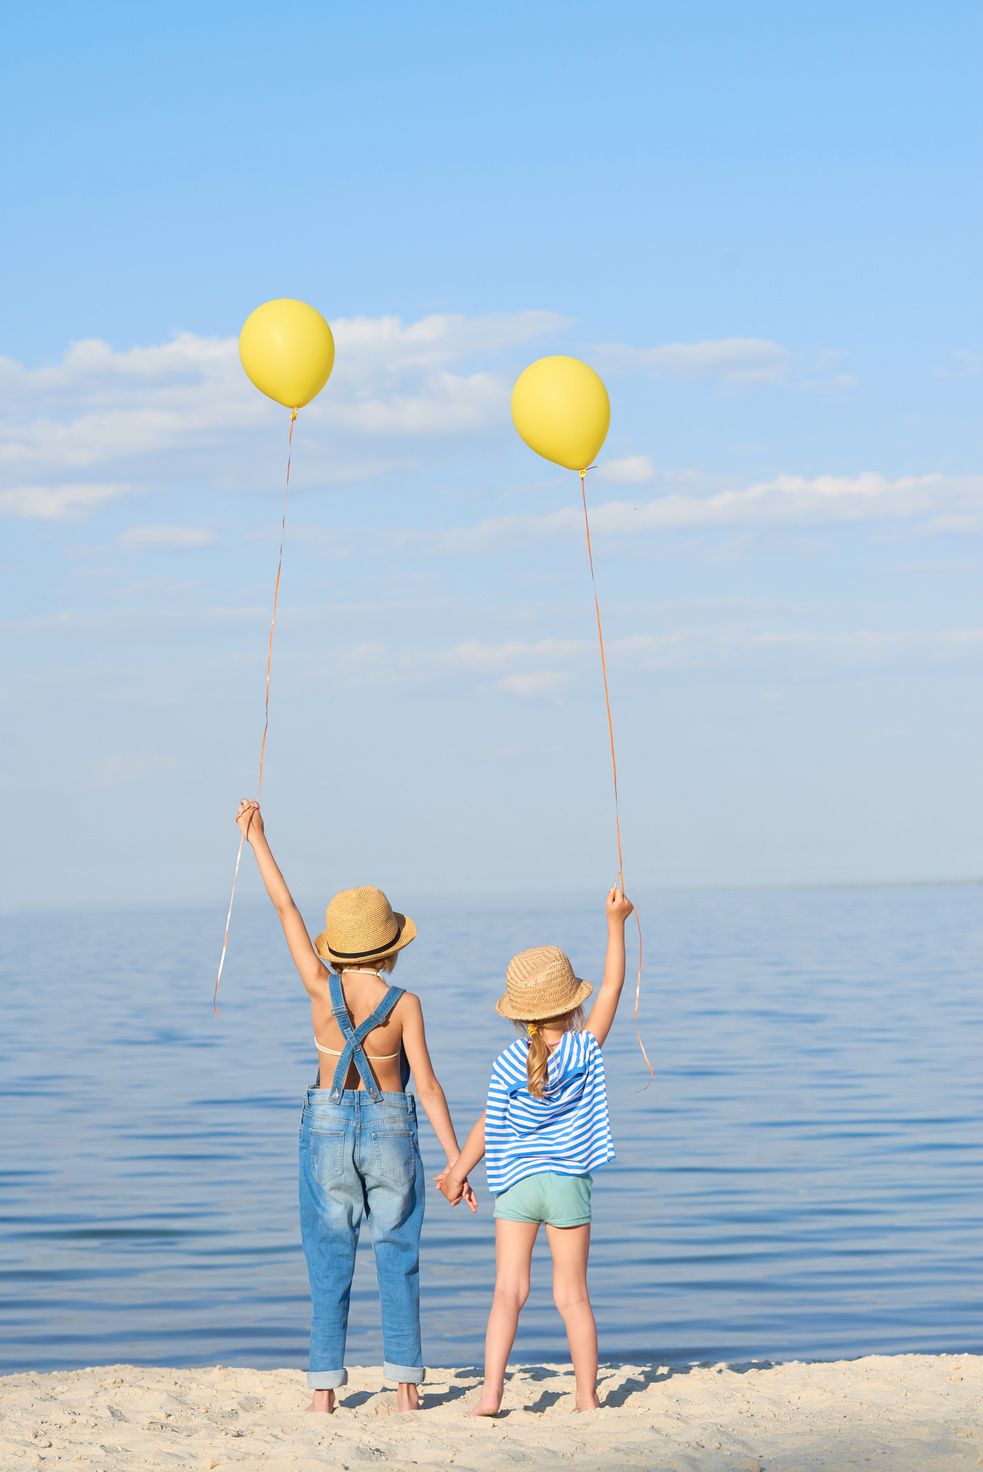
{"x":901,"y":1412}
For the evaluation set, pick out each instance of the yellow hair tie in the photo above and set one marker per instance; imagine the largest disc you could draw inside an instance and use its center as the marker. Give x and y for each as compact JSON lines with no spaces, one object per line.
{"x":533,"y":1029}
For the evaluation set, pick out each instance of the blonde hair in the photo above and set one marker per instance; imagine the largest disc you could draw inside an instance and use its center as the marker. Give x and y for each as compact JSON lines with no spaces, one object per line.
{"x":538,"y":1057}
{"x":381,"y":963}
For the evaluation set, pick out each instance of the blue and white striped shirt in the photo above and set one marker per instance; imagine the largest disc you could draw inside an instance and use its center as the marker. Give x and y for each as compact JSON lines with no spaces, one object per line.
{"x":567,"y":1131}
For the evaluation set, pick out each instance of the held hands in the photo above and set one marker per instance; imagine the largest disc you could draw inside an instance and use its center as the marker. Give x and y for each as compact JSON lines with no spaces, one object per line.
{"x":617,"y":907}
{"x":455,"y":1189}
{"x":249,"y":819}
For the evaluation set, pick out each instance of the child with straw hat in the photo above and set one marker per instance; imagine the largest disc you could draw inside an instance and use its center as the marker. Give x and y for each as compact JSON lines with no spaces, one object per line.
{"x":544,"y":1131}
{"x":358,"y":1138}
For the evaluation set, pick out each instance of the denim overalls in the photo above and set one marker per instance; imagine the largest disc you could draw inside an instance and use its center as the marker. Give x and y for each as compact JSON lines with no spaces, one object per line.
{"x":359,"y":1152}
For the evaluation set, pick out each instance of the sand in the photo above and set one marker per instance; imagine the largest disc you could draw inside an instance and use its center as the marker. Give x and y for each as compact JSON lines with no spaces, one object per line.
{"x":894,"y":1412}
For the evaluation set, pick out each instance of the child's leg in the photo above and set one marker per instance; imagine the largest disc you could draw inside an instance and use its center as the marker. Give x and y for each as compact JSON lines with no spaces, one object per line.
{"x":395,"y":1187}
{"x":330,"y":1215}
{"x":569,"y":1246}
{"x":513,"y":1254}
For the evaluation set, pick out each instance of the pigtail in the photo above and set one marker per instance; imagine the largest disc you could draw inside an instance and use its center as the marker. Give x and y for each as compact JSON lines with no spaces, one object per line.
{"x":537,"y":1062}
{"x":538,"y":1057}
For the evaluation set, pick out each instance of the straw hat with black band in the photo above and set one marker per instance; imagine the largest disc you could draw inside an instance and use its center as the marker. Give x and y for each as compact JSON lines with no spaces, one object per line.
{"x":540,"y":985}
{"x":361,"y":925}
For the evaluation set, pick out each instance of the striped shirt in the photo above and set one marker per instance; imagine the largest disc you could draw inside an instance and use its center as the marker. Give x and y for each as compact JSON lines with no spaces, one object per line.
{"x":566,"y":1132}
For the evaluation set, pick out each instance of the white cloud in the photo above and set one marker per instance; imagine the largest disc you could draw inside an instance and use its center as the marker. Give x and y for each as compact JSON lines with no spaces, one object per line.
{"x":964,"y":364}
{"x":968,"y":522}
{"x":550,"y":666}
{"x":731,"y":360}
{"x":126,"y":621}
{"x":374,"y":349}
{"x":836,"y":383}
{"x":542,"y":682}
{"x":633,"y":470}
{"x":796,"y":499}
{"x":796,"y":651}
{"x":56,"y":502}
{"x":969,"y":364}
{"x":185,"y":408}
{"x":99,"y":406}
{"x":167,"y":538}
{"x":742,"y":639}
{"x":785,"y":500}
{"x":735,"y":362}
{"x":513,"y":664}
{"x":494,"y":658}
{"x":183,"y":412}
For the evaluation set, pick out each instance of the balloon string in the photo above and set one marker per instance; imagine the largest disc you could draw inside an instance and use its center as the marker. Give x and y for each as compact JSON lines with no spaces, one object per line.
{"x":266,"y":721}
{"x":614,"y":767}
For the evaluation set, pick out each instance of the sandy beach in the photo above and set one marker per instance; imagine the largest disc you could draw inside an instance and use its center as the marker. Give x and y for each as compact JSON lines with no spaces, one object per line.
{"x":897,"y":1412}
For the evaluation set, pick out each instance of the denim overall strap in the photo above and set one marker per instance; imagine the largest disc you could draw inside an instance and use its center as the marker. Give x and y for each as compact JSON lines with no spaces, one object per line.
{"x":353,"y":1050}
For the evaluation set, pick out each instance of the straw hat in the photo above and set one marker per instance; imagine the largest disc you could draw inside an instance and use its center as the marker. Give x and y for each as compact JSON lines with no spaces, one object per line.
{"x":541,"y":984}
{"x":361,"y":925}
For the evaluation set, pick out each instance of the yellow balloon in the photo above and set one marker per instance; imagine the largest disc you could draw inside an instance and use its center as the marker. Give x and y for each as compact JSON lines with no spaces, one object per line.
{"x":562,"y":411}
{"x":287,"y":350}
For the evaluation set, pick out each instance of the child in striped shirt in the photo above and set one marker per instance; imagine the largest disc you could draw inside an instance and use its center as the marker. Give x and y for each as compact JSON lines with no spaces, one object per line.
{"x":544,"y":1131}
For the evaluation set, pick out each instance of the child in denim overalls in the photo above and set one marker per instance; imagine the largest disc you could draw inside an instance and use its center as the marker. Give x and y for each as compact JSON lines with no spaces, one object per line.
{"x":358,"y":1137}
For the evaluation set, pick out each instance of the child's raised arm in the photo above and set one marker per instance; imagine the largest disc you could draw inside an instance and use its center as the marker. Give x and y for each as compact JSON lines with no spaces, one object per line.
{"x":617,"y":908}
{"x":313,"y":973}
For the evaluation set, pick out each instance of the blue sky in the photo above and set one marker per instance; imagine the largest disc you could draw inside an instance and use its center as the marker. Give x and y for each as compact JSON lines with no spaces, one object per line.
{"x":760,"y":223}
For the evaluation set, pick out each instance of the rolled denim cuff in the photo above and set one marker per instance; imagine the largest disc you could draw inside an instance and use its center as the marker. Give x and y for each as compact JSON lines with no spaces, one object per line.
{"x":404,"y":1374}
{"x":327,"y":1379}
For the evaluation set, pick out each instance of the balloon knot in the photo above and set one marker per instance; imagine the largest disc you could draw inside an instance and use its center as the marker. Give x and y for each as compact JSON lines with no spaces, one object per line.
{"x":293,"y":413}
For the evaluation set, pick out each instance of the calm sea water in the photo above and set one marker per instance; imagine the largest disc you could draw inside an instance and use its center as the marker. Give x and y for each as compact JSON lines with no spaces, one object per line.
{"x":802,"y":1178}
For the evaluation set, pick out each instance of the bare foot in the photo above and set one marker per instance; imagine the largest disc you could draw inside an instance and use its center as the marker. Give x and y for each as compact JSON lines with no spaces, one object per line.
{"x":323,"y":1400}
{"x":407,"y":1397}
{"x":489,"y":1405}
{"x":589,"y":1404}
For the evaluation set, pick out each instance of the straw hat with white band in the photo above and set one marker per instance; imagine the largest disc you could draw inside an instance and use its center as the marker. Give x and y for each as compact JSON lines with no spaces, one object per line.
{"x":361,"y":925}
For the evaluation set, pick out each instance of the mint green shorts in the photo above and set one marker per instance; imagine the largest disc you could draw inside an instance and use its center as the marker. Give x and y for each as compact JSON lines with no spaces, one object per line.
{"x":559,"y":1201}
